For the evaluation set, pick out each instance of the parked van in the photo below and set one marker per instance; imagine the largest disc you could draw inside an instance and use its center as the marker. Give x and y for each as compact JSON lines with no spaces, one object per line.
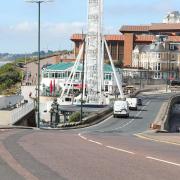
{"x":132,"y":102}
{"x":121,"y":108}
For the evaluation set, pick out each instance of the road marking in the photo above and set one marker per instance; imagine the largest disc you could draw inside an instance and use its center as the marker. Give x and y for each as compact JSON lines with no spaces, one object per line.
{"x":140,"y":135}
{"x":82,"y":136}
{"x":163,"y":161}
{"x":101,"y":144}
{"x":122,"y":150}
{"x":102,"y":122}
{"x":95,"y":142}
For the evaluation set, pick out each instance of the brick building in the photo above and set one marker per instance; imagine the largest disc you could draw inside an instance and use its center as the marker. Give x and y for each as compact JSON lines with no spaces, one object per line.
{"x":121,"y":45}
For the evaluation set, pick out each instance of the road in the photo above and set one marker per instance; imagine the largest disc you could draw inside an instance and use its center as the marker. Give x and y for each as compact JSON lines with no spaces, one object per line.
{"x":108,"y":150}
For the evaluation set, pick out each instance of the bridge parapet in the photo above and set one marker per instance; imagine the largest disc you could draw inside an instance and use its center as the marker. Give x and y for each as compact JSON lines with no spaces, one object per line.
{"x":11,"y":116}
{"x":162,"y":120}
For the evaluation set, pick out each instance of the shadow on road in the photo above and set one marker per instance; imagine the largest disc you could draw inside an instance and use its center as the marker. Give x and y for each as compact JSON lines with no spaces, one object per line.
{"x":135,"y":117}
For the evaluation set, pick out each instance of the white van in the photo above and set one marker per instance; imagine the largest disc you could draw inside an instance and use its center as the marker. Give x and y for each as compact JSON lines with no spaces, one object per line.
{"x":132,"y":102}
{"x":121,"y":108}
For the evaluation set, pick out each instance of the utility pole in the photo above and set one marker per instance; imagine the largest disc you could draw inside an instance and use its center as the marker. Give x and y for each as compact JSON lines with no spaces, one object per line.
{"x":168,"y":71}
{"x":39,"y":56}
{"x":82,"y":77}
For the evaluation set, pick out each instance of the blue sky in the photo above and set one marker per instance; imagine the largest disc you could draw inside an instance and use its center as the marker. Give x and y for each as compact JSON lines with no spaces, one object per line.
{"x":18,"y":21}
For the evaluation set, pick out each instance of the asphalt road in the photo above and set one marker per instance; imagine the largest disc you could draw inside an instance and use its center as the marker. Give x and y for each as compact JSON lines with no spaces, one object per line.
{"x":108,"y":150}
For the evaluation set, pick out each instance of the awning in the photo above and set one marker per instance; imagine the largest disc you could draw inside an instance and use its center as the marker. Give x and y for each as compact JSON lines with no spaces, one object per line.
{"x":79,"y":86}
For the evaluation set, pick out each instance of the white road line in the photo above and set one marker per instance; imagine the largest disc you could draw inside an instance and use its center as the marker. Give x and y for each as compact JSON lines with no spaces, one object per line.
{"x":110,"y":147}
{"x":100,"y":122}
{"x":163,"y":161}
{"x":95,"y":142}
{"x":82,"y":136}
{"x":122,"y":150}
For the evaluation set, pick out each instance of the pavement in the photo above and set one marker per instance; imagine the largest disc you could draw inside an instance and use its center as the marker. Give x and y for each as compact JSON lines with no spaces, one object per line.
{"x":168,"y":138}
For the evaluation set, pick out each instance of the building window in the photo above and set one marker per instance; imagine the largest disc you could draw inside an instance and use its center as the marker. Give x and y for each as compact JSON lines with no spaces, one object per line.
{"x":108,"y":77}
{"x":51,"y":75}
{"x":159,"y":55}
{"x":157,"y":75}
{"x":61,"y":75}
{"x":56,"y":75}
{"x":173,"y":57}
{"x":45,"y":75}
{"x":77,"y":75}
{"x":106,"y":88}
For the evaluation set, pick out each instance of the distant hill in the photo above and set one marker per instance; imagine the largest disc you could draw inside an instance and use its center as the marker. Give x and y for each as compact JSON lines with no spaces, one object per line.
{"x":13,"y":57}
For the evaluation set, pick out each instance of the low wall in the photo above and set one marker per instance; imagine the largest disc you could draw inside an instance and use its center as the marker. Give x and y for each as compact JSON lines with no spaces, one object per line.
{"x":162,"y":120}
{"x":90,"y":120}
{"x":12,"y":116}
{"x":5,"y":118}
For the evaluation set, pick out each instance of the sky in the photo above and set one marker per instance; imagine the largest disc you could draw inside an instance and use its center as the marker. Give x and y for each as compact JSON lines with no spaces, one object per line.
{"x":61,"y":18}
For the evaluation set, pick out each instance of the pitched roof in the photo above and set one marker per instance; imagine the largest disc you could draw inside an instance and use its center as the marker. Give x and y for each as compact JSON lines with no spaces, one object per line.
{"x":152,"y":27}
{"x":67,"y":65}
{"x":113,"y":37}
{"x":164,"y":26}
{"x":137,"y":38}
{"x":136,"y":28}
{"x":155,"y":47}
{"x":144,"y":38}
{"x":60,"y":66}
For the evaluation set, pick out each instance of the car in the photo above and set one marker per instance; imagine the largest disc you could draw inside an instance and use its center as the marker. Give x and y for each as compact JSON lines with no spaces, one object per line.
{"x":120,"y":108}
{"x":132,"y":102}
{"x":139,"y":102}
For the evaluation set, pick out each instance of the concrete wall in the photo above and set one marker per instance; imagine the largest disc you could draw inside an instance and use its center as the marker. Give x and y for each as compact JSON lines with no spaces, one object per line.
{"x":11,"y":116}
{"x":27,"y":120}
{"x":174,"y":100}
{"x":5,"y":118}
{"x":162,"y":121}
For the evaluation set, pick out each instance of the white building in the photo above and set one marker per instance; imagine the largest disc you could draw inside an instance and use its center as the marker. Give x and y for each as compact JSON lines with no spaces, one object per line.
{"x":54,"y":78}
{"x":172,"y":17}
{"x":161,"y":58}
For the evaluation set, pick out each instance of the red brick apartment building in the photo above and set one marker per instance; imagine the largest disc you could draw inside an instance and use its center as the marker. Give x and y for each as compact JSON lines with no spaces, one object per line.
{"x":121,"y":45}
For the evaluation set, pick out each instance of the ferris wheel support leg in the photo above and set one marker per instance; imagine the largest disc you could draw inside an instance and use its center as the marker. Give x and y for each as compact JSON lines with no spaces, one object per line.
{"x":73,"y":70}
{"x":114,"y":70}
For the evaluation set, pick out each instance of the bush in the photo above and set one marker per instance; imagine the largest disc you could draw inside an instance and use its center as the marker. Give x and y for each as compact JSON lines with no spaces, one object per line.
{"x":9,"y":76}
{"x":75,"y":117}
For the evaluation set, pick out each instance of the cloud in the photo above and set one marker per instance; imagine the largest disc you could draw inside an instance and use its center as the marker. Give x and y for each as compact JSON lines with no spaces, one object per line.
{"x":23,"y":36}
{"x":23,"y":27}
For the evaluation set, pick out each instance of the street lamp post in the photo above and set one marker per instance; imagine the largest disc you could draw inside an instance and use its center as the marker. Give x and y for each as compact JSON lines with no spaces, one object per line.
{"x":39,"y":56}
{"x":168,"y":71}
{"x":82,"y":78}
